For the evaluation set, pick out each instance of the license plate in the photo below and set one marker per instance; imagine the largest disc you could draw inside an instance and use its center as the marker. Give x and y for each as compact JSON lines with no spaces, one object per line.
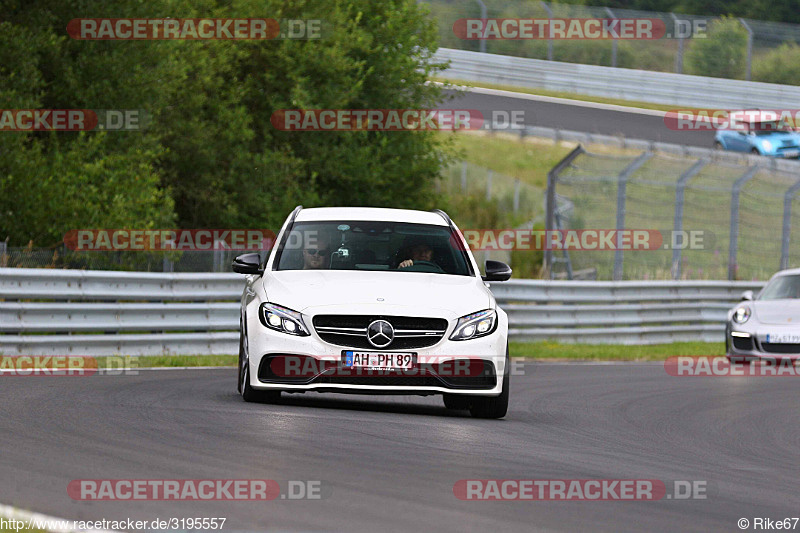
{"x":783,"y":338}
{"x":791,"y":153}
{"x":378,"y":360}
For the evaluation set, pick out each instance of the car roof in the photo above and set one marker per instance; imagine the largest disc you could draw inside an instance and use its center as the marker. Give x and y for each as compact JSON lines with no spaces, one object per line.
{"x":788,"y":272}
{"x":381,"y":214}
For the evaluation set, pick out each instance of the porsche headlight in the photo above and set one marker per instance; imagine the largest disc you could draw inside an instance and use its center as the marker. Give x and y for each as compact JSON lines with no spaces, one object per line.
{"x":741,"y":315}
{"x":283,"y":319}
{"x":475,"y":325}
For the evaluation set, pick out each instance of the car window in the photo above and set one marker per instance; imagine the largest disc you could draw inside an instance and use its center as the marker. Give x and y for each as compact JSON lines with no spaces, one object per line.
{"x":372,"y":246}
{"x":783,"y":287}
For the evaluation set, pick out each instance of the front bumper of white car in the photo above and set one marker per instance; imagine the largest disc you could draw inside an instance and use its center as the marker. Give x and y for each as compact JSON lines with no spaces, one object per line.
{"x":291,"y":363}
{"x":754,"y":340}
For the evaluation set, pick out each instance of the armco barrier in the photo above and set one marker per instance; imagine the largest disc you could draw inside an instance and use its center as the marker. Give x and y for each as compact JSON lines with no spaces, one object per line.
{"x":72,"y":312}
{"x":609,"y":82}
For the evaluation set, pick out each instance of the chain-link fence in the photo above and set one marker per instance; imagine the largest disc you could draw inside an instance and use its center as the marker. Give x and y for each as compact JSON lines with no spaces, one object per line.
{"x":750,"y":41}
{"x":709,"y":219}
{"x":509,"y":194}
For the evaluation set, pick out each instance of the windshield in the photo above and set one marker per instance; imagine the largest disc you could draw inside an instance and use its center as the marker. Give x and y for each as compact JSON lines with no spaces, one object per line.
{"x":783,"y":287}
{"x":769,"y":127}
{"x":376,"y":246}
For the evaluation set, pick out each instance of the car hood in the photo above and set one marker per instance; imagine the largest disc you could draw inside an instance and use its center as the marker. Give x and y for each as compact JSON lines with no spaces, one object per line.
{"x":358,"y":292}
{"x":778,"y":137}
{"x":777,"y":311}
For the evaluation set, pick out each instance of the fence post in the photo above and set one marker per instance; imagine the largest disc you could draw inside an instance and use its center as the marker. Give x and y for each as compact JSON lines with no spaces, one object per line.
{"x":516,"y":195}
{"x":3,"y":252}
{"x":749,"y":47}
{"x":733,"y":248}
{"x":787,"y":223}
{"x":484,"y":16}
{"x":549,"y":37}
{"x":614,"y":42}
{"x":622,"y":186}
{"x":550,"y":202}
{"x":679,"y":57}
{"x":678,"y":227}
{"x":489,"y":184}
{"x":464,"y":177}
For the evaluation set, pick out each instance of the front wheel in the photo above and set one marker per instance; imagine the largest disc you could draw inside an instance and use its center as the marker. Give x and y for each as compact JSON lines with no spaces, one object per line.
{"x":258,"y":396}
{"x":249,"y":393}
{"x":493,"y":406}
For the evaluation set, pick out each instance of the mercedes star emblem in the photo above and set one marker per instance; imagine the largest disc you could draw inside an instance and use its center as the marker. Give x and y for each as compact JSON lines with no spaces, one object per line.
{"x":380,"y":333}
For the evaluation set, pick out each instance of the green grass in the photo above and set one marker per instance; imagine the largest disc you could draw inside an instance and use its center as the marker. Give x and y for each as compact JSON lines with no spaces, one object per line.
{"x":612,"y":352}
{"x":167,"y":361}
{"x":562,"y":94}
{"x":527,"y":161}
{"x":531,"y":350}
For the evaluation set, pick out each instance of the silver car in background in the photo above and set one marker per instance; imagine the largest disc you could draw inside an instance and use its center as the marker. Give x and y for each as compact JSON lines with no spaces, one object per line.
{"x":766,"y":325}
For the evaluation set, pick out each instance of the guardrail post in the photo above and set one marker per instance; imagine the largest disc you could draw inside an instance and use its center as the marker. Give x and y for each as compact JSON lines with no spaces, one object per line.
{"x":614,"y":42}
{"x":749,"y":47}
{"x":678,"y":227}
{"x":550,"y":205}
{"x":622,"y":185}
{"x":787,"y":223}
{"x":733,"y":248}
{"x":549,"y":37}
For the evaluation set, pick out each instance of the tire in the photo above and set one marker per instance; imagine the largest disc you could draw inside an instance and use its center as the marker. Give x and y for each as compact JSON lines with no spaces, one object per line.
{"x":492,"y":406}
{"x":249,"y":394}
{"x":755,"y":151}
{"x":456,"y":402}
{"x":718,"y":146}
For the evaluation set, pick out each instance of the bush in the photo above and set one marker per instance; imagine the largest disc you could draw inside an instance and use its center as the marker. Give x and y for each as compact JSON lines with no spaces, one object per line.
{"x":778,"y":65}
{"x":722,"y":54}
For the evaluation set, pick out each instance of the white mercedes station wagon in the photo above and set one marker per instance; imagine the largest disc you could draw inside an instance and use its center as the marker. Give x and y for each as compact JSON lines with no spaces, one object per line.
{"x":373,"y":301}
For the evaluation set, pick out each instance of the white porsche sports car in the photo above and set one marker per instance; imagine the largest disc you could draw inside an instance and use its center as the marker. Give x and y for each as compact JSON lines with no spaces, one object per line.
{"x":767,"y":325}
{"x":373,"y":301}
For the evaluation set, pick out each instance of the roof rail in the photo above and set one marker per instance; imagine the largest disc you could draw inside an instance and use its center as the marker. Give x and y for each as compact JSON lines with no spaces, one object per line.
{"x":443,"y":215}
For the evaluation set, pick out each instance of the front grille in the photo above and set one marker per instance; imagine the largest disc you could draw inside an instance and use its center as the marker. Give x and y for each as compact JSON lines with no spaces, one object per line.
{"x":743,"y":343}
{"x":774,"y":347}
{"x":351,"y":330}
{"x":304,"y":370}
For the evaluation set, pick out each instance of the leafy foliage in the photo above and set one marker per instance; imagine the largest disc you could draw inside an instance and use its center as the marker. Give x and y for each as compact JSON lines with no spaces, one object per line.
{"x":211,"y":158}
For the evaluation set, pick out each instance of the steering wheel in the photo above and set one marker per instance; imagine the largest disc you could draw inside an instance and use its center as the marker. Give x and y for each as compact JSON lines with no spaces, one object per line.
{"x":426,"y":266}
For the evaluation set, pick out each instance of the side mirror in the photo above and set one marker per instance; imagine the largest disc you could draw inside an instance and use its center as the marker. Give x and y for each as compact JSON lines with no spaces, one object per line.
{"x":497,"y":271}
{"x":247,"y":264}
{"x":747,"y":295}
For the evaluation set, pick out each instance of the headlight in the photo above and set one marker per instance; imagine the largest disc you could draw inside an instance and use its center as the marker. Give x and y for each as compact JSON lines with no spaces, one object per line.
{"x":283,"y":319}
{"x":475,"y":325}
{"x":741,"y":315}
{"x":767,"y":145}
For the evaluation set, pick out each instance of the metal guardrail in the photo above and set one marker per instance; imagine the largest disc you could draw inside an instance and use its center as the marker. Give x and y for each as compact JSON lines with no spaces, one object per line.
{"x":628,"y":84}
{"x":72,"y":315}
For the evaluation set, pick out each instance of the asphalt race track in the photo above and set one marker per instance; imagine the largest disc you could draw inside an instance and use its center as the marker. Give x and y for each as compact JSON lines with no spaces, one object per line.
{"x":389,"y":463}
{"x":635,"y":125}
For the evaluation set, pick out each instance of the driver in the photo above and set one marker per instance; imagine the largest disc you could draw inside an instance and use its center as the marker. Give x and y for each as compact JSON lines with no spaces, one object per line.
{"x":316,"y":255}
{"x":420,"y":252}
